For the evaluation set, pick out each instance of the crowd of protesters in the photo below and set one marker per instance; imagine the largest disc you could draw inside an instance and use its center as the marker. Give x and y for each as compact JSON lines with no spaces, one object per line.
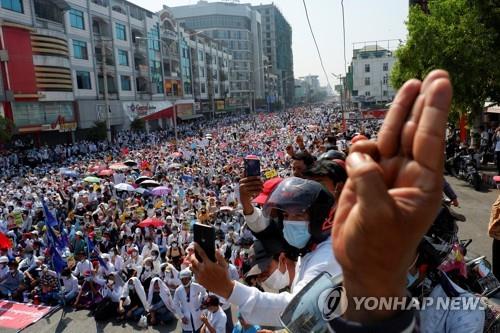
{"x":108,"y":227}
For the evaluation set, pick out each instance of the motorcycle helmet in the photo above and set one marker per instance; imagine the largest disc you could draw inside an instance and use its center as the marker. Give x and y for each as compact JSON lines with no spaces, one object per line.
{"x":332,"y":155}
{"x":295,"y":196}
{"x":439,"y":240}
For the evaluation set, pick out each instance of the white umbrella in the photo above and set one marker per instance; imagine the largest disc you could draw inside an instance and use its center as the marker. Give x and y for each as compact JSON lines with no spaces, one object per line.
{"x":124,"y":187}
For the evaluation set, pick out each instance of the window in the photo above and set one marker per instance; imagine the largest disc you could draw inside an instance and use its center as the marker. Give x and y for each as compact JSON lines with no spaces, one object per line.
{"x":367,"y":81}
{"x":122,"y":58}
{"x":367,"y":93}
{"x":14,"y":5}
{"x":120,"y":31}
{"x":200,"y":52}
{"x":354,"y":93}
{"x":83,"y":80}
{"x":386,"y":79}
{"x":367,"y":68}
{"x":385,"y":93}
{"x":202,"y":71}
{"x":76,"y":19}
{"x":80,"y":50}
{"x":203,"y":89}
{"x":385,"y":67}
{"x":125,"y":83}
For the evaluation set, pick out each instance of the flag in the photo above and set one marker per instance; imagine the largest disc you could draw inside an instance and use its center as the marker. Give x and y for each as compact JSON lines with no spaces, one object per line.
{"x":50,"y":220}
{"x":90,"y":245}
{"x":53,"y":240}
{"x":57,"y":260}
{"x":99,"y":258}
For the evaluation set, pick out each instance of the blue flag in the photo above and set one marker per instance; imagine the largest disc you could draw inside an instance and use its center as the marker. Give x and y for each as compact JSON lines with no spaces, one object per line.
{"x":53,"y":240}
{"x":57,"y":260}
{"x":50,"y":220}
{"x":90,"y":245}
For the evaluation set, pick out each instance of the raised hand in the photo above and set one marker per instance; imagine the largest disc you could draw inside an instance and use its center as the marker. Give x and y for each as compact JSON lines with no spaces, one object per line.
{"x":393,"y":193}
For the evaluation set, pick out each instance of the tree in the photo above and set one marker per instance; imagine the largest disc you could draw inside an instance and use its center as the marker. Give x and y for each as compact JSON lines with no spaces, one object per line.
{"x":138,"y":125}
{"x":98,"y":131}
{"x":454,"y":37}
{"x":6,"y":129}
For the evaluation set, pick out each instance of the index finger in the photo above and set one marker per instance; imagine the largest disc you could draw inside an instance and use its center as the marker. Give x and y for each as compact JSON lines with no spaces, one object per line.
{"x":390,"y":133}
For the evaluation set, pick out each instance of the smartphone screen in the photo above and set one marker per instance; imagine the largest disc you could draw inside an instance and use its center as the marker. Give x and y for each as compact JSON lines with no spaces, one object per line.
{"x":204,"y":235}
{"x":252,"y":166}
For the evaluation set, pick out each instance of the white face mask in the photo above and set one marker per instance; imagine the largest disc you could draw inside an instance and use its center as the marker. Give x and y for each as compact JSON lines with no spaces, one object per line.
{"x":277,"y":280}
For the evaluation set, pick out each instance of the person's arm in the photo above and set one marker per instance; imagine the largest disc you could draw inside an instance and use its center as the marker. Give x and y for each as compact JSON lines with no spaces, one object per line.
{"x":494,"y":224}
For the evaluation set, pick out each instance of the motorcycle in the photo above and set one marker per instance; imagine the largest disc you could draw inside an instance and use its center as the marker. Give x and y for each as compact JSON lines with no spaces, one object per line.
{"x":464,"y":164}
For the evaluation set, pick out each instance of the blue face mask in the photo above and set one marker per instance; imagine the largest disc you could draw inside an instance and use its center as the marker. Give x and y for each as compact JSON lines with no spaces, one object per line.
{"x":410,"y":279}
{"x":296,"y":233}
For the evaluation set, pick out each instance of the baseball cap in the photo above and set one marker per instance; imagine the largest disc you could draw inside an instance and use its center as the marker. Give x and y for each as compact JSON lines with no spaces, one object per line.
{"x":268,"y":188}
{"x":260,"y":259}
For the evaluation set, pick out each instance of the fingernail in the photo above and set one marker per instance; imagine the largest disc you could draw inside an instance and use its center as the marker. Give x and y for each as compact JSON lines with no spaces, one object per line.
{"x":356,"y":160}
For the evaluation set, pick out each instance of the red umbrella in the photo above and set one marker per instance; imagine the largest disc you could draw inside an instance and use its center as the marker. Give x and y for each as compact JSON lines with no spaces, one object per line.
{"x":97,"y":168}
{"x":151,"y":222}
{"x":106,"y":172}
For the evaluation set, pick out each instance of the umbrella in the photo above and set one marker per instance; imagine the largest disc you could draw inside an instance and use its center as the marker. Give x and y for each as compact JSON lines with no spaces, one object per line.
{"x":230,"y":209}
{"x":130,"y":163}
{"x":118,"y":166}
{"x":150,"y":183}
{"x":97,"y":168}
{"x":151,"y":222}
{"x":143,"y":191}
{"x":106,"y":172}
{"x":91,"y":179}
{"x":124,"y":187}
{"x":175,"y":166}
{"x":68,"y":172}
{"x":160,"y":190}
{"x":141,"y":179}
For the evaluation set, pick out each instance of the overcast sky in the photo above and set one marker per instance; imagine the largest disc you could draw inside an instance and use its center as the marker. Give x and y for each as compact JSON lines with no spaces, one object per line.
{"x":366,"y":20}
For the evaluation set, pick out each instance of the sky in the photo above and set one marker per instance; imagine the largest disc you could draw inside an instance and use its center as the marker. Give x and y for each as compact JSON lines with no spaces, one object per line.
{"x":365,"y":20}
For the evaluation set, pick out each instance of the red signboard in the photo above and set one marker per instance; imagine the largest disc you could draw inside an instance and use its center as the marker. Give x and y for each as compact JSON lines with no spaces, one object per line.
{"x":20,"y":67}
{"x":374,"y":114}
{"x":17,"y":316}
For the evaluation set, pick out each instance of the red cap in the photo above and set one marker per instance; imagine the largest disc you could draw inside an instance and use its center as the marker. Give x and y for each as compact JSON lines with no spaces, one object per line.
{"x":269,"y":186}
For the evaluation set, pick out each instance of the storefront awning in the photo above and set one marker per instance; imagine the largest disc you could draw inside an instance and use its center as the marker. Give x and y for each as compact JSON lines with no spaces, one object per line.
{"x":493,"y":109}
{"x":189,"y":117}
{"x":165,"y":113}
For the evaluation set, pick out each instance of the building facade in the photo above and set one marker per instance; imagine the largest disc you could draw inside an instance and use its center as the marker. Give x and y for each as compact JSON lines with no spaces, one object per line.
{"x":56,"y":56}
{"x":277,"y":47}
{"x":370,"y":69}
{"x":238,"y":28}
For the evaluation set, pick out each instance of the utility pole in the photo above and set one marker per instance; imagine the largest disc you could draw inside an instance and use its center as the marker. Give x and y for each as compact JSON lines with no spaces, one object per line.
{"x":106,"y":97}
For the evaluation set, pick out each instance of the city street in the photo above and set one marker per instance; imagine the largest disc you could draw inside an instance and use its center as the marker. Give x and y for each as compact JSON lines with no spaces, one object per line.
{"x":474,"y":205}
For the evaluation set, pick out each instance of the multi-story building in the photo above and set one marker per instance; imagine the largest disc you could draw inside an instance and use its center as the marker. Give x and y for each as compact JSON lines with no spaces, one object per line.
{"x":238,"y":27}
{"x":277,"y":47}
{"x":57,"y":55}
{"x":371,"y":69}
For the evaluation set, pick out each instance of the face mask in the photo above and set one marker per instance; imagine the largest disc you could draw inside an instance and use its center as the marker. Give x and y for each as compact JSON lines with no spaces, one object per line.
{"x":296,"y":233}
{"x":111,"y":282}
{"x":187,"y":284}
{"x":155,"y":257}
{"x":130,"y":287}
{"x":174,"y":232}
{"x":410,"y":278}
{"x":277,"y":280}
{"x":148,"y":268}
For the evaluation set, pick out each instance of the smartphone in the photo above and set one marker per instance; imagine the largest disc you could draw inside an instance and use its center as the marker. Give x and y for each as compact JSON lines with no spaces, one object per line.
{"x":252,"y":166}
{"x":204,"y":235}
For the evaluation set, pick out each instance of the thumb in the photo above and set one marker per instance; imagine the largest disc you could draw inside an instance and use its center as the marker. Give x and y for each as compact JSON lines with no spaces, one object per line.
{"x":220,"y":258}
{"x":367,"y":179}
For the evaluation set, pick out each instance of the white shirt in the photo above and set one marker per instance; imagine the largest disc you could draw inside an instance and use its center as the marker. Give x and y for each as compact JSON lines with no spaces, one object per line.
{"x":146,"y":250}
{"x":82,"y":267}
{"x":218,"y":320}
{"x":189,"y":307}
{"x":70,"y":284}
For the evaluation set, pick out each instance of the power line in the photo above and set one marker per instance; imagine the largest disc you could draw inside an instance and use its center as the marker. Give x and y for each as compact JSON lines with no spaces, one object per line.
{"x":315,"y":43}
{"x":343,"y":31}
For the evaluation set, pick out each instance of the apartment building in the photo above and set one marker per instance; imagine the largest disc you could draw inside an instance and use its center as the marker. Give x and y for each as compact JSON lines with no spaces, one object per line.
{"x":57,"y":55}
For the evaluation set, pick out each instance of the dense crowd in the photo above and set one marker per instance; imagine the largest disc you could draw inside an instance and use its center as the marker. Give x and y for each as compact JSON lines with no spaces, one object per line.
{"x":108,"y":227}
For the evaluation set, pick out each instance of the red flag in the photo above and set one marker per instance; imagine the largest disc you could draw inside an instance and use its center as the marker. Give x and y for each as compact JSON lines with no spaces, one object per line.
{"x":463,"y":130}
{"x":4,"y":242}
